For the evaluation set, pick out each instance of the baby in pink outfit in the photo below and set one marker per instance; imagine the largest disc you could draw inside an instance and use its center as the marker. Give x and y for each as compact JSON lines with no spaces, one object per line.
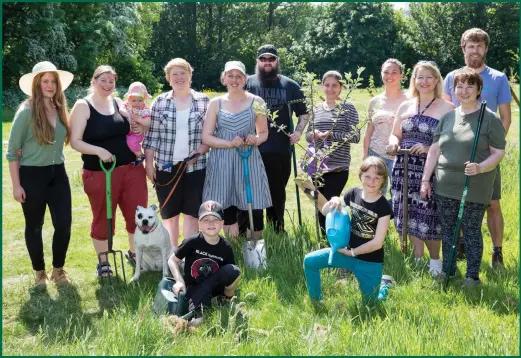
{"x":138,"y":112}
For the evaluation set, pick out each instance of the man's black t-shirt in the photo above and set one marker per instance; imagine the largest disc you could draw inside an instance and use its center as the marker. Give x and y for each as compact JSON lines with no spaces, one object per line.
{"x":276,"y":97}
{"x":203,"y":259}
{"x":364,"y":219}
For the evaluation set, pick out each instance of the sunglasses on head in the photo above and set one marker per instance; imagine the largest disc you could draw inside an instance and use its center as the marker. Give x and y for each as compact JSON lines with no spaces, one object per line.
{"x":428,"y":62}
{"x":267,"y":59}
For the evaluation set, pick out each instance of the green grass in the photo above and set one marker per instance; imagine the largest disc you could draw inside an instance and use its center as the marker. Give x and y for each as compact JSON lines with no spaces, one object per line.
{"x":274,"y":315}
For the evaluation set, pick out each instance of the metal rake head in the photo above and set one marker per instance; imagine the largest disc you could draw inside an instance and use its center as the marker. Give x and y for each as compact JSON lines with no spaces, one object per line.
{"x":114,"y":255}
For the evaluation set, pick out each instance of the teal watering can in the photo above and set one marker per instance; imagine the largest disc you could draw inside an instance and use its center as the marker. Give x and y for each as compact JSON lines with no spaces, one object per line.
{"x":338,"y":230}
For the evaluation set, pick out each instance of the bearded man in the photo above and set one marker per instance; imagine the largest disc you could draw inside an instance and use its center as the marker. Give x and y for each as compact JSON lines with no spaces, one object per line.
{"x":496,"y":91}
{"x":277,"y":91}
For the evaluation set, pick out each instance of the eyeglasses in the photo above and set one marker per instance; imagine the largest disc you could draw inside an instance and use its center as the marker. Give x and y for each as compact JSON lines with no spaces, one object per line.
{"x":267,"y":59}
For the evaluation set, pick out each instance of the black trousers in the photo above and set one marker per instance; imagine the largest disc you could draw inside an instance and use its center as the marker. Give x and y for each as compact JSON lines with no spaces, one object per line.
{"x":46,"y":186}
{"x":211,"y":287}
{"x":334,"y":183}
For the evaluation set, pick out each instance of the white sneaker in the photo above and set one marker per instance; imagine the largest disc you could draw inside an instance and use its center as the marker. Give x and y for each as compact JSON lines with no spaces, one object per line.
{"x":260,"y":251}
{"x":254,"y":254}
{"x":435,"y":268}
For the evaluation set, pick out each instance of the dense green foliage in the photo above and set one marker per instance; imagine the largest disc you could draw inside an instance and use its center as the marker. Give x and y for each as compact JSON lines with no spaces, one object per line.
{"x":138,"y":39}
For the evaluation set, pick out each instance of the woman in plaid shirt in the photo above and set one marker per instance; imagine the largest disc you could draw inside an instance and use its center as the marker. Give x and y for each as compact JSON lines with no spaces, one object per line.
{"x":175,"y":134}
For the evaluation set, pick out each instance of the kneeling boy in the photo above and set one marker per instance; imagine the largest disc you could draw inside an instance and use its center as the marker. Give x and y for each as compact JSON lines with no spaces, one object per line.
{"x":209,"y":268}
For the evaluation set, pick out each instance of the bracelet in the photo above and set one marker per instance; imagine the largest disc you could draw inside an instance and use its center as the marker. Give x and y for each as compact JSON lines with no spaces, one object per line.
{"x":426,"y":181}
{"x":353,"y":252}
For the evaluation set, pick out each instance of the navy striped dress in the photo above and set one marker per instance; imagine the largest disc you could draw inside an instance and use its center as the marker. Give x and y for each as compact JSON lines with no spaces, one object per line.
{"x":224,"y":180}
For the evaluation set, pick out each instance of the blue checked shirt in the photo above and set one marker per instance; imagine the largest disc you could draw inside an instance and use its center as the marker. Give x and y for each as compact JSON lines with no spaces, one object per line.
{"x":162,"y":132}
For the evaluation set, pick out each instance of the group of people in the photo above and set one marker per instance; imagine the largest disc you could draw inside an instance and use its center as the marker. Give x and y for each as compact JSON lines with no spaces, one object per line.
{"x":190,"y":146}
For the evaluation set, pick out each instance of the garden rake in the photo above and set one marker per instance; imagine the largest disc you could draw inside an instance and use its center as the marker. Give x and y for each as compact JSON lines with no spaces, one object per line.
{"x":110,"y":252}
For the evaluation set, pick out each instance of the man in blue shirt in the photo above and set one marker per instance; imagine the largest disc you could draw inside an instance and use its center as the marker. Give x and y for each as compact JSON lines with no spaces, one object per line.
{"x":496,"y":91}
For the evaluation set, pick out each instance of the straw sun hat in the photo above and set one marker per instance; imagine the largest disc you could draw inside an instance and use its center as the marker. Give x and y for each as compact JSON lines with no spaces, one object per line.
{"x":26,"y":81}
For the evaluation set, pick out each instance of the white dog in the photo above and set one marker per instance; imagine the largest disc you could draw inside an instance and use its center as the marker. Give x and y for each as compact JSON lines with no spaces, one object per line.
{"x":152,"y":241}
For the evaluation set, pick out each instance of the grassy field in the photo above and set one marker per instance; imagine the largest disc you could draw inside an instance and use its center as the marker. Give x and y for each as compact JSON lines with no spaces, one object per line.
{"x":273,"y":314}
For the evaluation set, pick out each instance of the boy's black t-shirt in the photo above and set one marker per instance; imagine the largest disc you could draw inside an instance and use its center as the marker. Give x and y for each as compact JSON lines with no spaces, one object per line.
{"x":276,"y":98}
{"x":364,"y":219}
{"x":203,"y":259}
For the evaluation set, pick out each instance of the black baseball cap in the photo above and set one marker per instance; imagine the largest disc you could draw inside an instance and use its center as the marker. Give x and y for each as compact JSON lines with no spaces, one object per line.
{"x":211,"y":207}
{"x":267,"y":50}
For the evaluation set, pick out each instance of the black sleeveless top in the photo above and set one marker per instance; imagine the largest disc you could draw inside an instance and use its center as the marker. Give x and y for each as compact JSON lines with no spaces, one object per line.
{"x":108,"y":132}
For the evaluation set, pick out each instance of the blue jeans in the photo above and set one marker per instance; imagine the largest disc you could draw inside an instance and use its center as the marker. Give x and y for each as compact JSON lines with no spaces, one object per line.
{"x":368,"y":274}
{"x":389,"y":163}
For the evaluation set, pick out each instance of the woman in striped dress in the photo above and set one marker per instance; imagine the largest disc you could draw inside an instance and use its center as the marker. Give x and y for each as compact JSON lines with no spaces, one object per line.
{"x":334,"y":122}
{"x":231,"y":122}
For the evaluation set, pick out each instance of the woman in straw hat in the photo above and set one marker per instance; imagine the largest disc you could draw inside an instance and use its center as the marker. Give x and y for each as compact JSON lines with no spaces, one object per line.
{"x":99,"y":131}
{"x":40,"y":129}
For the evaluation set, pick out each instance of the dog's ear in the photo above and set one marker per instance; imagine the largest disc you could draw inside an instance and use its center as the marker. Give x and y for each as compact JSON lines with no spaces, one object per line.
{"x":154,"y":207}
{"x":139,"y":207}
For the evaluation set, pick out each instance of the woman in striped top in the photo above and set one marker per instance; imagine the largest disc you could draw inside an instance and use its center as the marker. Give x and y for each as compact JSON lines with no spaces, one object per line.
{"x":334,"y":122}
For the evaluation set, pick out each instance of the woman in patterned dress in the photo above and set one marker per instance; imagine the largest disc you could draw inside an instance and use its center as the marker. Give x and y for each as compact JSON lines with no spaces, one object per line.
{"x":382,"y":109}
{"x":414,"y":126}
{"x":231,"y":122}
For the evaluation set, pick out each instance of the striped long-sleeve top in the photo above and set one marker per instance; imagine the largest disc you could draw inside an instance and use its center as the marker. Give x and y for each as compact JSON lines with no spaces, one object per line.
{"x":345,"y":127}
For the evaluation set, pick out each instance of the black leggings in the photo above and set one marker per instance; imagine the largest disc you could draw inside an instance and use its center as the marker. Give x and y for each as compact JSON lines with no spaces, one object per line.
{"x":48,"y":185}
{"x":473,"y":214}
{"x":334,"y":182}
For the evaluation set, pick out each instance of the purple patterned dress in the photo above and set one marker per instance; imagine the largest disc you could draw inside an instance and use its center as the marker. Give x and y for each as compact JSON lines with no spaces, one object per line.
{"x":423,"y":218}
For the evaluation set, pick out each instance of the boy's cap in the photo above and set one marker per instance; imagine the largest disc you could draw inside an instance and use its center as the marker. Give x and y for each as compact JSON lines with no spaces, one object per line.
{"x":267,"y":50}
{"x":211,"y":207}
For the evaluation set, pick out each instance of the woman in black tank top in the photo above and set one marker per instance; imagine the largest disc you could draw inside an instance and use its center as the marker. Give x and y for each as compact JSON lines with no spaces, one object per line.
{"x":98,"y":131}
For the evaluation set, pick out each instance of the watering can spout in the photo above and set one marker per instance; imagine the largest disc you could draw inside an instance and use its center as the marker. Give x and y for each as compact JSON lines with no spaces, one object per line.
{"x":338,"y":231}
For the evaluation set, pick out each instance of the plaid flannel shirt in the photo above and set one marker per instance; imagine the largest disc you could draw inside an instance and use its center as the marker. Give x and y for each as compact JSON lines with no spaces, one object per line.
{"x":162,"y":132}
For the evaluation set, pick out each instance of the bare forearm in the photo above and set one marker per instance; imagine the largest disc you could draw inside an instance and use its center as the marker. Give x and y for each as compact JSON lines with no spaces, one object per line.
{"x":176,"y":273}
{"x":84,"y":148}
{"x":366,"y":248}
{"x":505,"y":115}
{"x":367,"y":139}
{"x":214,"y":142}
{"x":149,"y":156}
{"x":14,"y":171}
{"x":430,"y":162}
{"x":262,"y":137}
{"x":393,"y":139}
{"x":302,"y":123}
{"x":203,"y":148}
{"x":491,"y":162}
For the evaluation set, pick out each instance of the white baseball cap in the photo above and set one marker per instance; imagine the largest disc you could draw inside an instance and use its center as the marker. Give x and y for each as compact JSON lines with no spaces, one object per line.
{"x":235,"y":65}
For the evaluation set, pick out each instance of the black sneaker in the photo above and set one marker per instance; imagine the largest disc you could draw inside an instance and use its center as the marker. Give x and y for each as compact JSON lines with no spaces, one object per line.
{"x":497,"y":259}
{"x":131,"y":257}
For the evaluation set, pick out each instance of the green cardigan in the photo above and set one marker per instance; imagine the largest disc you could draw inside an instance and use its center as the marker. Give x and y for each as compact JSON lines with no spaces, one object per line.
{"x":34,"y":154}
